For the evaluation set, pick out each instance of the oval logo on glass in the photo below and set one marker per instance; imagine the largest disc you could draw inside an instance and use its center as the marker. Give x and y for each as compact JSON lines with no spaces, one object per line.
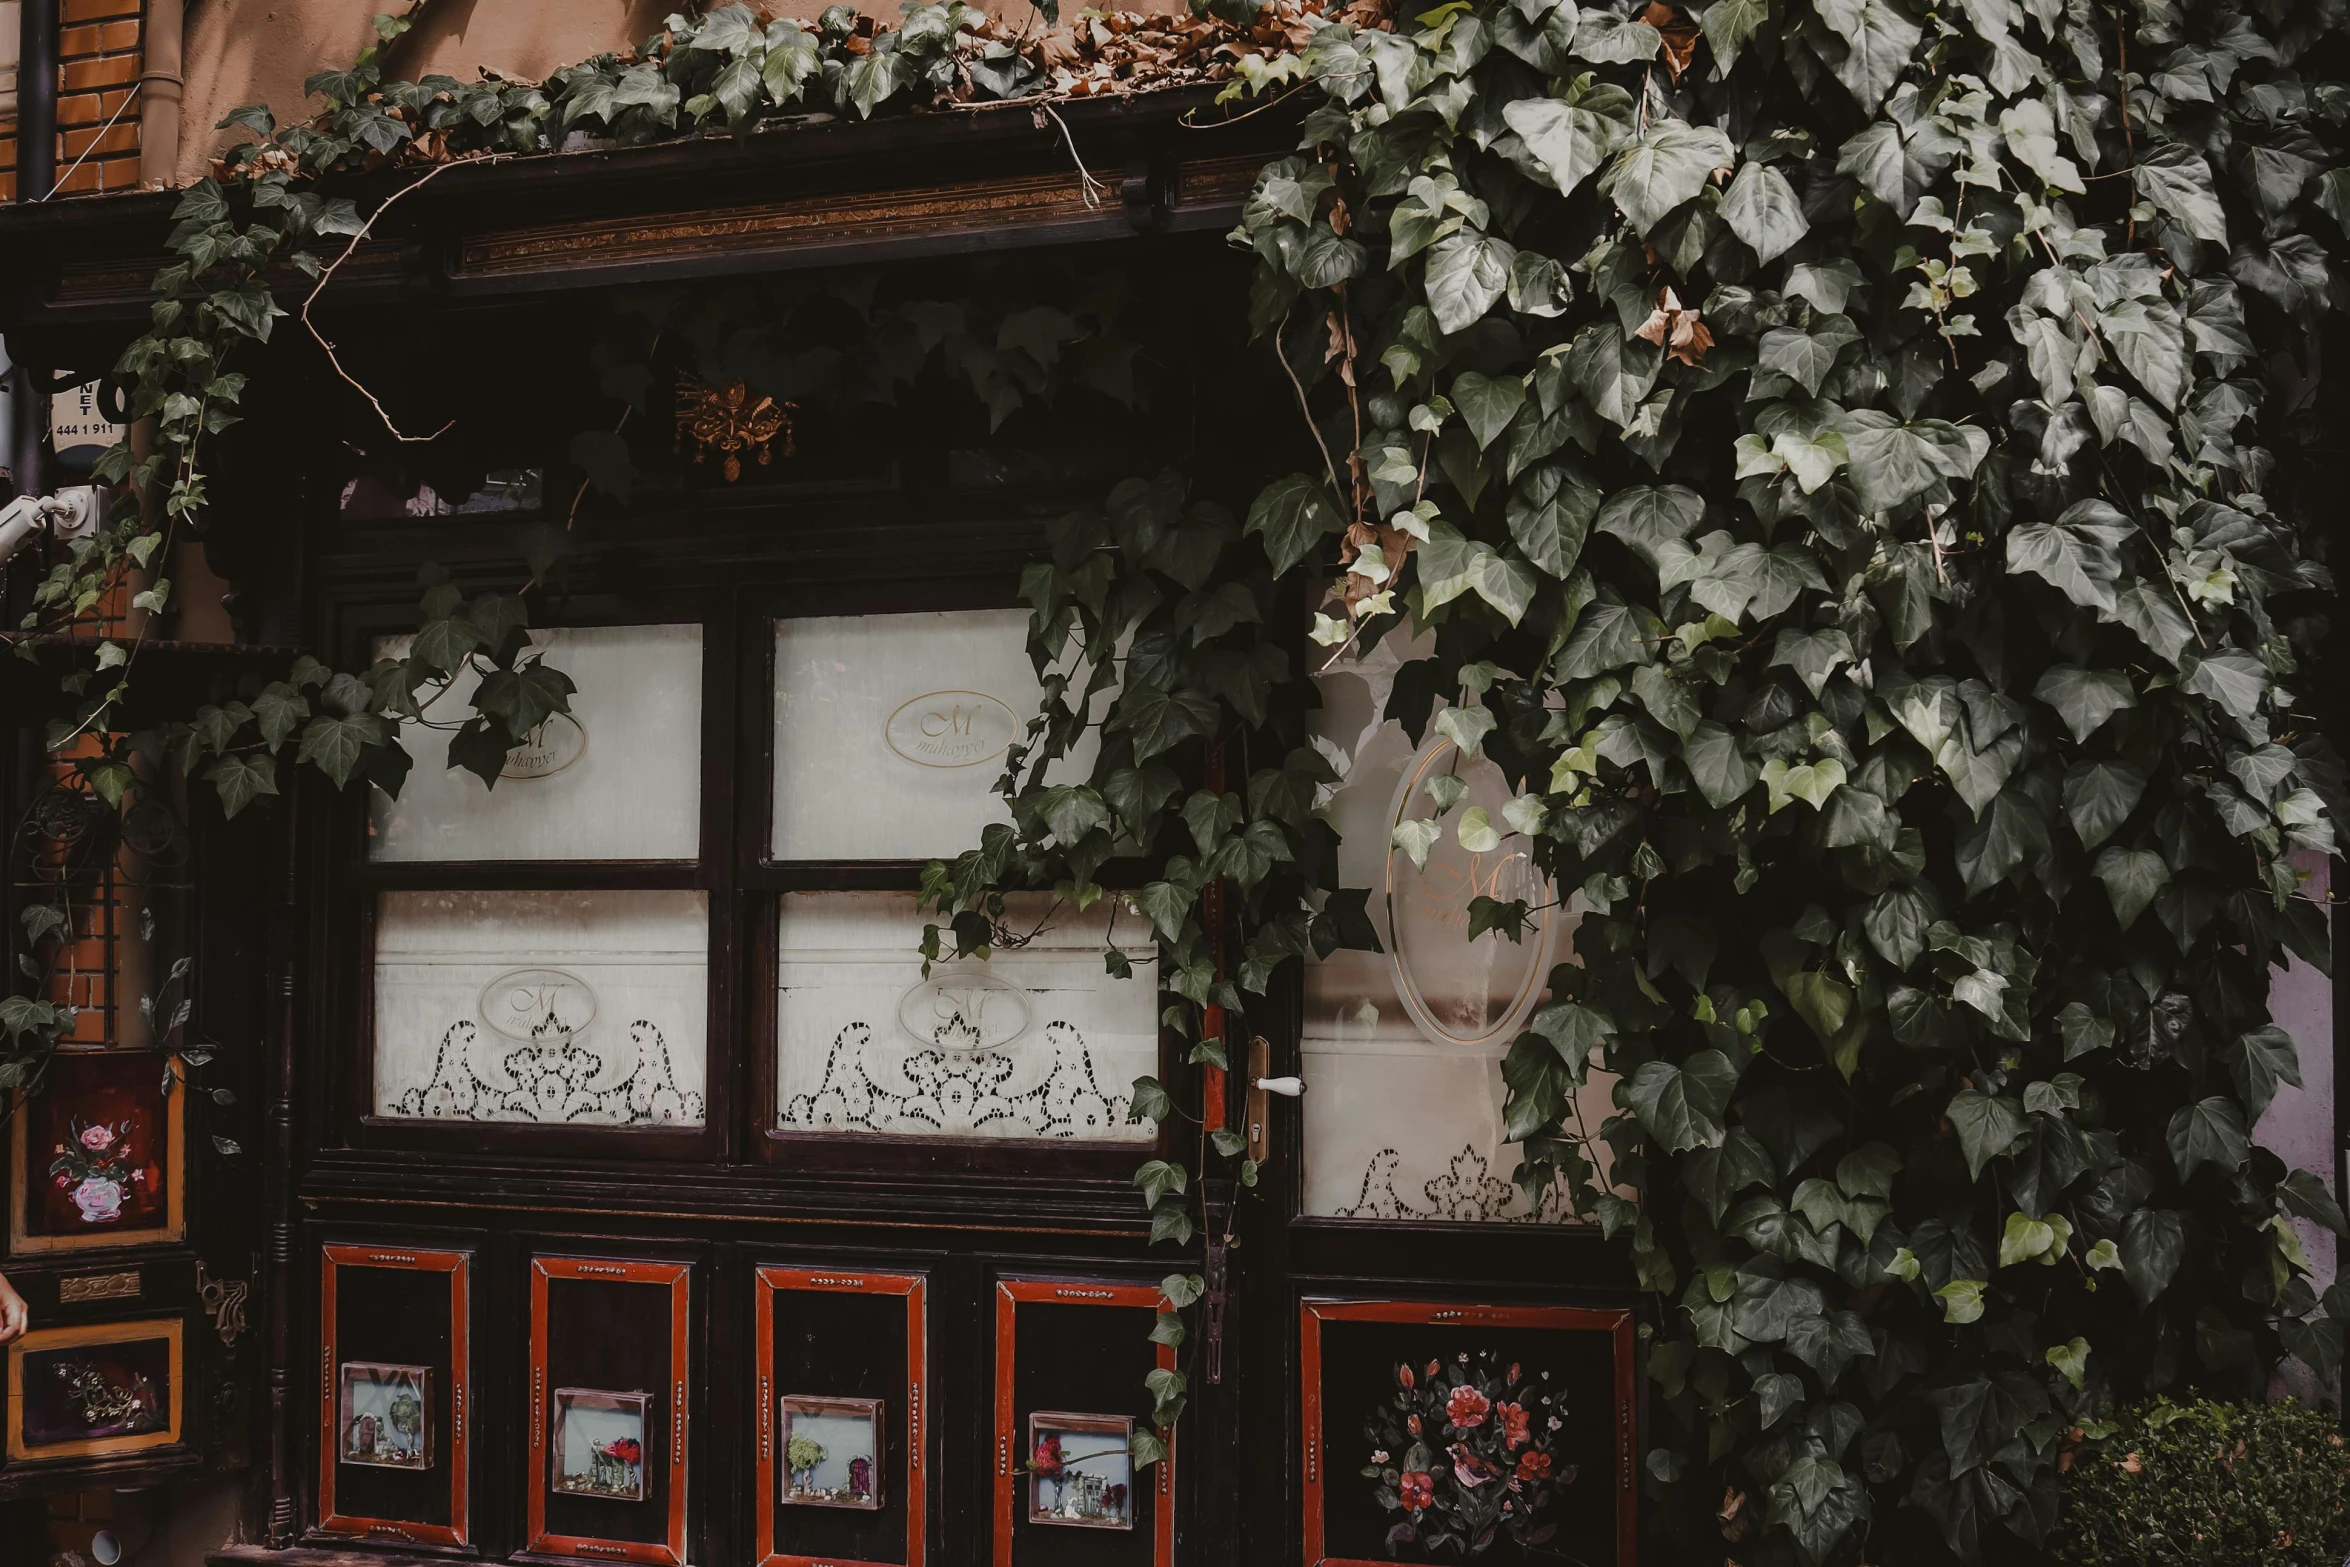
{"x":538,"y":1005}
{"x":949,"y":729}
{"x":1461,"y":992}
{"x":552,"y":746}
{"x":964,"y":1009}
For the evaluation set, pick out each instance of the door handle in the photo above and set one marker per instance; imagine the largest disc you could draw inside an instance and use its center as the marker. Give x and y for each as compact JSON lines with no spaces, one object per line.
{"x":1260,"y":1062}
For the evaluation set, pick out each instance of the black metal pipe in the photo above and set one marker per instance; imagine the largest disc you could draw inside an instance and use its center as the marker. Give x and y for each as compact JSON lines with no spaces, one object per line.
{"x":36,"y":100}
{"x":29,"y":401}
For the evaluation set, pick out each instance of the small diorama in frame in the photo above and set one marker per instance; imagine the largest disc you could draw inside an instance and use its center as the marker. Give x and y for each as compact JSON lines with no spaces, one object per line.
{"x":1081,"y":1470}
{"x":385,"y":1415}
{"x":599,"y":1444}
{"x":832,"y":1451}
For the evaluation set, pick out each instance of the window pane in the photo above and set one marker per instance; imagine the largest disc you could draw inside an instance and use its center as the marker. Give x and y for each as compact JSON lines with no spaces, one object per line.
{"x":620,"y":779}
{"x":1403,"y":1048}
{"x":1036,"y":1042}
{"x":890,"y":731}
{"x":555,"y":1008}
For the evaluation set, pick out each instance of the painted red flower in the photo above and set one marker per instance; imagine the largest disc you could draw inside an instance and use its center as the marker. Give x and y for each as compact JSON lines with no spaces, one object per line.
{"x":1413,"y":1421}
{"x":1467,"y":1407}
{"x":1514,"y":1423}
{"x":1433,"y":1366}
{"x":1417,"y":1491}
{"x":1533,"y":1466}
{"x":1404,"y":1375}
{"x":1513,"y":1371}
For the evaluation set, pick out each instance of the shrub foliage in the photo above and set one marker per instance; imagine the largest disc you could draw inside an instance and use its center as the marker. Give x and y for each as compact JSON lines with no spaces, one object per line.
{"x":2208,"y":1485}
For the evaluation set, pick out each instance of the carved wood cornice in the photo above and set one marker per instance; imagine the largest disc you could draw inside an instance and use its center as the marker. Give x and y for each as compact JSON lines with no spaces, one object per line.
{"x":826,"y":221}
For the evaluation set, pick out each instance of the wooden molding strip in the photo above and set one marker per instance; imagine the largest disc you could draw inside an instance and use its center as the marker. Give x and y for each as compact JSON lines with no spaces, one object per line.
{"x":800,"y":222}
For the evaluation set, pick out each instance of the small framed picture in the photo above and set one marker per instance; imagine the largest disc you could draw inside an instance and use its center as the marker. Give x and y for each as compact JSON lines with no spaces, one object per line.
{"x":831,"y":1451}
{"x":599,"y":1447}
{"x":1081,"y":1470}
{"x":385,"y":1415}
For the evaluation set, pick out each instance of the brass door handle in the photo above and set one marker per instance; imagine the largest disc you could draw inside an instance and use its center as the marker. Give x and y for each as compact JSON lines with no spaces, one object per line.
{"x":1260,"y":1062}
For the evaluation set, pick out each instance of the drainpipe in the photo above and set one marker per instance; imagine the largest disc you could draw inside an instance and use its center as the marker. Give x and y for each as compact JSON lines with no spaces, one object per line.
{"x":36,"y":101}
{"x":160,"y":89}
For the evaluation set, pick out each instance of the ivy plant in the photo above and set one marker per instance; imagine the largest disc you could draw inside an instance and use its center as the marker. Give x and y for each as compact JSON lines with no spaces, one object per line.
{"x":1832,"y":448}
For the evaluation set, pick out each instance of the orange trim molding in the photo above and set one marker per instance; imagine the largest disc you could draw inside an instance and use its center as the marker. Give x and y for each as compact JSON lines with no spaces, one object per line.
{"x":1011,"y":1444}
{"x":458,"y":1265}
{"x":96,"y":1333}
{"x":913,"y":1406}
{"x":678,"y":1276}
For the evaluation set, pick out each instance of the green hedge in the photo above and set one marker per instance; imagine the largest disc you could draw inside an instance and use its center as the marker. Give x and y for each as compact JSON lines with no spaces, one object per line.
{"x":2208,"y":1485}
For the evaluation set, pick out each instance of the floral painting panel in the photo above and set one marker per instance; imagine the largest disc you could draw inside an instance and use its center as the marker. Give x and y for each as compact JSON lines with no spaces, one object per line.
{"x":93,"y":1392}
{"x":97,"y":1145}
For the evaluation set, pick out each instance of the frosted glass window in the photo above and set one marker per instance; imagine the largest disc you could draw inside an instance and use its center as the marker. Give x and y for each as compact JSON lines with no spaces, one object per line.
{"x":618,"y":779}
{"x":1402,"y":1049}
{"x":548,"y":1008}
{"x":890,"y":732}
{"x":1035,"y":1042}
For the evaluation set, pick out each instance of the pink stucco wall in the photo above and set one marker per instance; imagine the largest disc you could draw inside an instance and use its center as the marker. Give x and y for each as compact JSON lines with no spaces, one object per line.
{"x":2299,"y":1126}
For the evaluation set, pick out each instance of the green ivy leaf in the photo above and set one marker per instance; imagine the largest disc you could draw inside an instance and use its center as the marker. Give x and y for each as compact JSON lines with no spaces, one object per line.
{"x":241,"y":778}
{"x":1988,"y":1125}
{"x":2210,"y":1131}
{"x":1682,"y":1105}
{"x":1665,"y":165}
{"x":1293,"y":515}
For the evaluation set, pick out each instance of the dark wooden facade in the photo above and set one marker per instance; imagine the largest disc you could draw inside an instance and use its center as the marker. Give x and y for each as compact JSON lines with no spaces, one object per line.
{"x":966,"y":1285}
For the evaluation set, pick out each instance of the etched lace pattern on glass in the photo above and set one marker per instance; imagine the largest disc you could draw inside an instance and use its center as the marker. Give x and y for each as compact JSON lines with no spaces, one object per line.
{"x":1036,"y":1042}
{"x":545,"y":1008}
{"x":1402,"y":1049}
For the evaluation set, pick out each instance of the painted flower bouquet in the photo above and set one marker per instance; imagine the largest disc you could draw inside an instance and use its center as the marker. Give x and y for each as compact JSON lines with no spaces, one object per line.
{"x":95,"y":1171}
{"x":1466,"y":1452}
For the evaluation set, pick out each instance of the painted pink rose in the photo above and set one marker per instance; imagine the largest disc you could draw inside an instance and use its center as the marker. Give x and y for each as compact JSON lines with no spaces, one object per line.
{"x":100,"y":1200}
{"x":98,"y":1138}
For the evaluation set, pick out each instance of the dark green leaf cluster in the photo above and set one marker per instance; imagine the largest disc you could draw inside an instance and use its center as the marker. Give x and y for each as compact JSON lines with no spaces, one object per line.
{"x":1153,"y":629}
{"x":2208,"y":1485}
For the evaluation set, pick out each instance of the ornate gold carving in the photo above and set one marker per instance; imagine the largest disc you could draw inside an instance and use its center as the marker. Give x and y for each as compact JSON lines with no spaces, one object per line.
{"x":224,"y":1303}
{"x":98,"y":1286}
{"x":726,"y":420}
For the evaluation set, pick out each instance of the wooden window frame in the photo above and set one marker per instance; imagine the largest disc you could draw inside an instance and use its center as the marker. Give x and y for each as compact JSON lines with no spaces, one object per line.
{"x":458,"y":1265}
{"x":914,"y":1289}
{"x":1011,"y":1441}
{"x":757,"y":871}
{"x":678,"y":1277}
{"x":1314,"y":1450}
{"x":359,"y":883}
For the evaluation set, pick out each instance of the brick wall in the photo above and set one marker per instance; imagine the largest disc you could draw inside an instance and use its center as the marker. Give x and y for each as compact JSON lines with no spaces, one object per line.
{"x":98,"y":69}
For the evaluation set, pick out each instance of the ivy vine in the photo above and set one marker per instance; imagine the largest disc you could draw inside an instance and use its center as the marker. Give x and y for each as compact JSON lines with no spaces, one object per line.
{"x":1852,"y":465}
